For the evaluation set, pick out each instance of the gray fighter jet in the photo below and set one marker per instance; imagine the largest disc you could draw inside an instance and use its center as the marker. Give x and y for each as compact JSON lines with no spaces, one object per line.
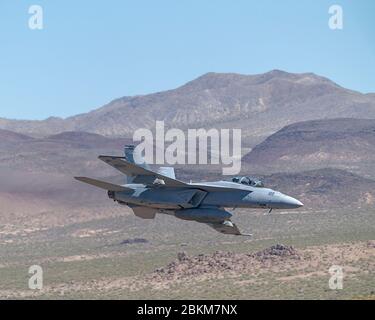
{"x":149,"y":192}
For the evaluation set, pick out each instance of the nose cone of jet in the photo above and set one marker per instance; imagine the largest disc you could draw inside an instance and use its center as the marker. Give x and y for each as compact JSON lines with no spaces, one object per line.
{"x":292,"y":203}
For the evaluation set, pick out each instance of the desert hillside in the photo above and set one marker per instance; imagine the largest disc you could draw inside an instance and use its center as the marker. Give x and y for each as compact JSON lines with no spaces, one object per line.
{"x":258,"y":104}
{"x":347,"y":144}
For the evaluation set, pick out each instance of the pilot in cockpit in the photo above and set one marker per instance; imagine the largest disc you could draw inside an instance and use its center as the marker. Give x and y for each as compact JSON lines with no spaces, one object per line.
{"x":248,"y":181}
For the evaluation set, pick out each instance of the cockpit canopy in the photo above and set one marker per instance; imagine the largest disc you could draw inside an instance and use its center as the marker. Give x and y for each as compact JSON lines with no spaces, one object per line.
{"x":248,"y":181}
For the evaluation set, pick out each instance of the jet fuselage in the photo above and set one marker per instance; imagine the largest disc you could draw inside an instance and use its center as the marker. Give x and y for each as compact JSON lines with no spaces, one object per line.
{"x":230,"y":196}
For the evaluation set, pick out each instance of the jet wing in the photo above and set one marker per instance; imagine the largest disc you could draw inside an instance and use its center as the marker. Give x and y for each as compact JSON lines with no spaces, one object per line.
{"x":103,"y":185}
{"x":227,"y":227}
{"x":141,"y":175}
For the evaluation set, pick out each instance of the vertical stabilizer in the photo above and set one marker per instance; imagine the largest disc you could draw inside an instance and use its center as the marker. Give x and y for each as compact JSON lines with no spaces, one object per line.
{"x":129,"y":155}
{"x":129,"y":150}
{"x":167,"y":171}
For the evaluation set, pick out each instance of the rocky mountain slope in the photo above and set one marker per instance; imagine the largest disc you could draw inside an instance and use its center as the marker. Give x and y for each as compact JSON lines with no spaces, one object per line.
{"x":258,"y":104}
{"x":325,"y":188}
{"x":339,"y":143}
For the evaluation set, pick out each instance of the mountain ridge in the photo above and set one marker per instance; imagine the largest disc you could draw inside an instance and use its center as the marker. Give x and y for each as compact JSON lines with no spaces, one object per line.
{"x":258,"y":104}
{"x":342,"y":143}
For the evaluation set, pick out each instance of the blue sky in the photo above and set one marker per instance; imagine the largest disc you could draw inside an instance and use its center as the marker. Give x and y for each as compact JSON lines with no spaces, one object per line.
{"x":91,"y":52}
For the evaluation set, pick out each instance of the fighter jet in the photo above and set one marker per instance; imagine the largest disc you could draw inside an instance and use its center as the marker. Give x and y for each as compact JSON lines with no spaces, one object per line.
{"x":148,"y":192}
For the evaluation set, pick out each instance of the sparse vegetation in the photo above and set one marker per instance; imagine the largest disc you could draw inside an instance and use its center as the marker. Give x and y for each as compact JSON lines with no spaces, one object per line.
{"x":100,"y":265}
